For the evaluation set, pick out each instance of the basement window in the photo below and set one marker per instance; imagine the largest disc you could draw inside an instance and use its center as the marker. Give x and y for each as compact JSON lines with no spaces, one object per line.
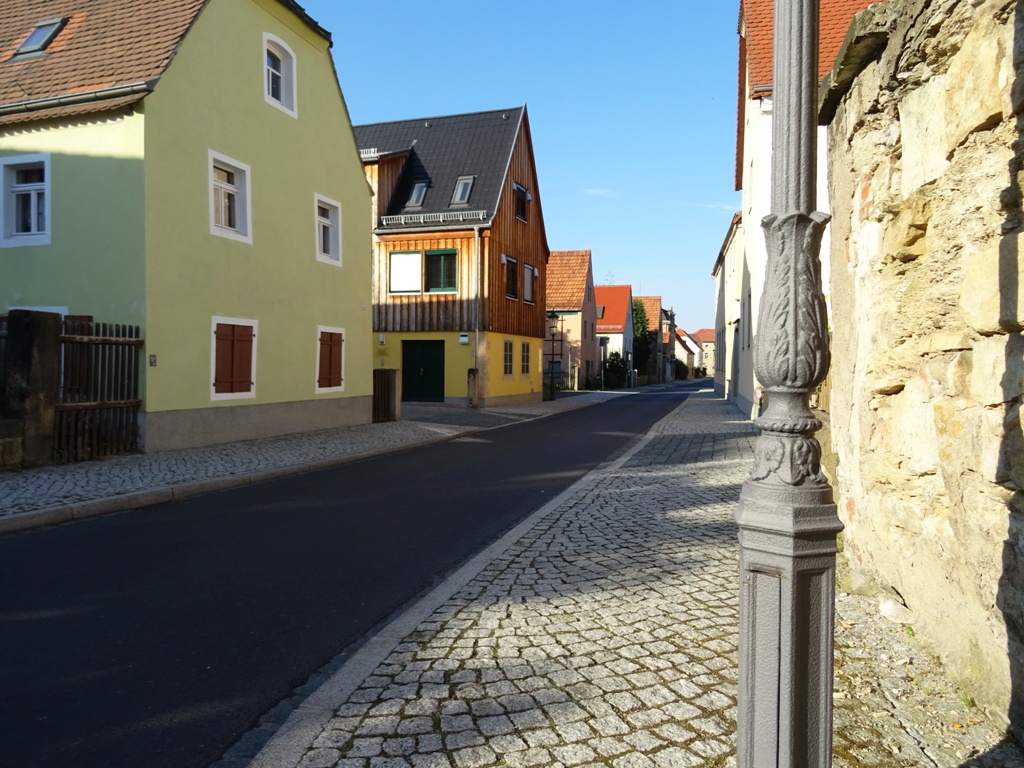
{"x":41,"y":36}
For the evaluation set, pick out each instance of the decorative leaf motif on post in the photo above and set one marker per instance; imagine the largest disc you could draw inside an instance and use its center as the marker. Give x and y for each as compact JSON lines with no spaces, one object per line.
{"x":792,"y":353}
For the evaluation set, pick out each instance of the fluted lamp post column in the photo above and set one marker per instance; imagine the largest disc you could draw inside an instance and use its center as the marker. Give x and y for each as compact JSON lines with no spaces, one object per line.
{"x":786,"y":515}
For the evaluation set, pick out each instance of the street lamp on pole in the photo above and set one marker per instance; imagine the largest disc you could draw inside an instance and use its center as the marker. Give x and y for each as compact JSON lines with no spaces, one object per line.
{"x":553,"y":319}
{"x":786,"y":515}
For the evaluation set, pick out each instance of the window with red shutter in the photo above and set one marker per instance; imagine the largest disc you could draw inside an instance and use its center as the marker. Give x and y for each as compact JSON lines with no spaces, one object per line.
{"x":329,"y":368}
{"x":233,"y":358}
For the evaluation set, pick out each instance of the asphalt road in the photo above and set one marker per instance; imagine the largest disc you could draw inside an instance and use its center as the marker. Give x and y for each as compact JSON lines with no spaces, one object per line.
{"x":157,"y":637}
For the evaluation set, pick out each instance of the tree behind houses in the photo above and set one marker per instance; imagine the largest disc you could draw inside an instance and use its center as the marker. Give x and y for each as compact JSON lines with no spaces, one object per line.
{"x":641,"y":337}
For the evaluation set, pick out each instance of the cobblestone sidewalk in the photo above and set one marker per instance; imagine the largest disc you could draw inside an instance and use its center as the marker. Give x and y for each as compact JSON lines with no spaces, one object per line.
{"x":602,"y":632}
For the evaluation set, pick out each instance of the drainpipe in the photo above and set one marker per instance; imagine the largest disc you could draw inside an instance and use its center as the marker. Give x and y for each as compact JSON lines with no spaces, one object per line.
{"x":476,"y":310}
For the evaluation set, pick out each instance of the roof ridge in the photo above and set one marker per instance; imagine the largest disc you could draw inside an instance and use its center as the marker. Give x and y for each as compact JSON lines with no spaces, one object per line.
{"x":437,"y":117}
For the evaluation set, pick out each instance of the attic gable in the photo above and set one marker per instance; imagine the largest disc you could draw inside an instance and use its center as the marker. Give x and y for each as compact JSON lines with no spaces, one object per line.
{"x":618,"y":307}
{"x":444,"y":152}
{"x":567,"y":279}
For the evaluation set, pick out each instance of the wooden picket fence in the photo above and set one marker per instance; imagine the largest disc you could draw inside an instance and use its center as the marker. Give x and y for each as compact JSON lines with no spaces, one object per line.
{"x":98,"y":400}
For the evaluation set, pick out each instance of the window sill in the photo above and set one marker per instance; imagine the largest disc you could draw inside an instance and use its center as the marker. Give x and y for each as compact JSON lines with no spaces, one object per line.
{"x":215,"y":397}
{"x":20,"y":241}
{"x":328,"y":259}
{"x":329,"y":390}
{"x":230,"y":234}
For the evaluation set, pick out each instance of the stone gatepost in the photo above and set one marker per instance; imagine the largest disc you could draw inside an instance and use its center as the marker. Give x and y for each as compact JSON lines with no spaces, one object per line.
{"x":31,"y":370}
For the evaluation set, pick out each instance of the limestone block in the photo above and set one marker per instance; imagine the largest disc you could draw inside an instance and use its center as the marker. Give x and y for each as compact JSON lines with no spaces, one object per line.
{"x":1011,"y":468}
{"x":895,"y":612}
{"x":997,"y":374}
{"x":992,"y":293}
{"x":943,"y":341}
{"x":923,"y":130}
{"x":913,"y":427}
{"x":906,"y":236}
{"x":976,"y":80}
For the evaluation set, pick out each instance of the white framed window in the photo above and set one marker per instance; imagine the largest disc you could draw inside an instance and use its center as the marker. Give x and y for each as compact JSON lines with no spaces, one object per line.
{"x":230,"y":198}
{"x":279,"y":75}
{"x":330,"y":359}
{"x":327,"y":213}
{"x":529,"y":275}
{"x":25,"y":215}
{"x":405,"y":272}
{"x":506,"y":358}
{"x":233,"y":358}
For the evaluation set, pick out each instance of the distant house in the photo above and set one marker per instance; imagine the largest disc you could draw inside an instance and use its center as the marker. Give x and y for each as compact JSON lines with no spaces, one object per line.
{"x":689,"y":351}
{"x":652,"y":371}
{"x":574,"y":350}
{"x":615,"y":320}
{"x":661,"y":329}
{"x":189,"y":168}
{"x":460,"y":256}
{"x":723,"y":363}
{"x":706,"y":338}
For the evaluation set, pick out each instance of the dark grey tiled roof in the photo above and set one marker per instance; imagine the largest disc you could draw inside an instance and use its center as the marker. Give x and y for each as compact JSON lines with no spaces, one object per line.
{"x":443,"y":149}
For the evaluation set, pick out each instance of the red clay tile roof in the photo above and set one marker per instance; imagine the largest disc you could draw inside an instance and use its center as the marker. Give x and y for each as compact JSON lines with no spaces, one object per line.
{"x":704,"y":335}
{"x":567,"y":279}
{"x":618,"y":307}
{"x":652,"y":306}
{"x":757,"y":21}
{"x":756,"y":46}
{"x":103,"y":46}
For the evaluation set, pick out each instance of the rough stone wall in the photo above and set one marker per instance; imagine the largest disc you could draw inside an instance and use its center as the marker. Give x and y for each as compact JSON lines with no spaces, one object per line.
{"x":925,"y":152}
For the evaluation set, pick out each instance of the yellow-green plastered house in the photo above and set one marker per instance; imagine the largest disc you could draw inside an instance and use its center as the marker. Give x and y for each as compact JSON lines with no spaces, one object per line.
{"x":188,"y":166}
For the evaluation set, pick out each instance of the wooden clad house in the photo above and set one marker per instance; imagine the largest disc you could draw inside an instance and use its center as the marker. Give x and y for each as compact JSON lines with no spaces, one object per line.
{"x":460,"y":256}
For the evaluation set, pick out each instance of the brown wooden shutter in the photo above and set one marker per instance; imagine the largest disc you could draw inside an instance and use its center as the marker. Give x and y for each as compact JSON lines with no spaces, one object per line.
{"x":330,"y":360}
{"x":233,"y":355}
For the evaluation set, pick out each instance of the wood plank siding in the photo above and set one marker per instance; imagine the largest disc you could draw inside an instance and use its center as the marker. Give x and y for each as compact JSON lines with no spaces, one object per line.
{"x":524,"y":241}
{"x":424,"y":311}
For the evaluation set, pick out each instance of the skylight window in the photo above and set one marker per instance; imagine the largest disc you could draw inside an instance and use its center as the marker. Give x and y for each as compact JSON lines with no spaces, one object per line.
{"x":463,"y":186}
{"x":419,"y":189}
{"x":41,"y":36}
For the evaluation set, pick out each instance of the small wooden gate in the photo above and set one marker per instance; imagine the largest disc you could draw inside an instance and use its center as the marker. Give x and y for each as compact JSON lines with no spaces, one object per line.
{"x":98,"y":401}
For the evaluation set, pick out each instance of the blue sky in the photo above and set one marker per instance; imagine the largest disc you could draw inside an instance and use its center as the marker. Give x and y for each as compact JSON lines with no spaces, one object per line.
{"x":632,"y":109}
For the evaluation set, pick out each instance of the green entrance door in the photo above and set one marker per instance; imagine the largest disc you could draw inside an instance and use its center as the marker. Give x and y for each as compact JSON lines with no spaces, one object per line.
{"x":423,"y":371}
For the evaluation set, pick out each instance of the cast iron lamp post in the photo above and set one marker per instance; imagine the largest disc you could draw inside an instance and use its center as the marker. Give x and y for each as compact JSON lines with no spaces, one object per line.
{"x":552,"y":317}
{"x":786,"y":515}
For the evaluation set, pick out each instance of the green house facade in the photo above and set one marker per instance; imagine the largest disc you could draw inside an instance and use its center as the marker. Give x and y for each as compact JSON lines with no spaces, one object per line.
{"x":189,"y":167}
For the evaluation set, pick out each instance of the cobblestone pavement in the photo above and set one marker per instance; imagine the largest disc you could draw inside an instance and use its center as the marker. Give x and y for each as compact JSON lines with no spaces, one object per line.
{"x":54,"y":494}
{"x":602,"y":632}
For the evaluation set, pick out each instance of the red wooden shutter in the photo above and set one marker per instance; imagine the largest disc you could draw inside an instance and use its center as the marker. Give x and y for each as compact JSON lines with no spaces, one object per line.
{"x":233,"y":355}
{"x":242,"y":370}
{"x":330,"y":360}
